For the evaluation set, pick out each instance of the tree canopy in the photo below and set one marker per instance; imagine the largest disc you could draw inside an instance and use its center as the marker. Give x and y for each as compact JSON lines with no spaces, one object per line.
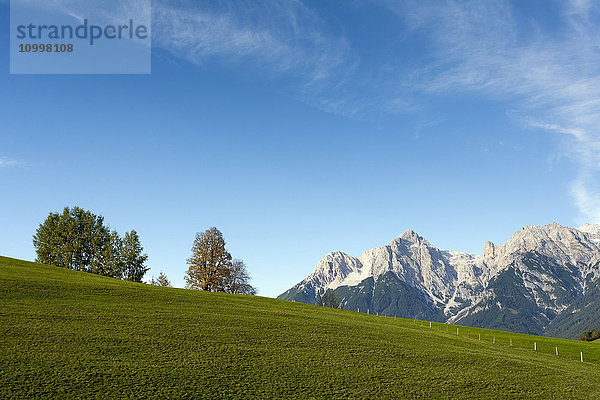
{"x":78,"y":239}
{"x":211,"y":267}
{"x":131,"y":258}
{"x":210,"y":262}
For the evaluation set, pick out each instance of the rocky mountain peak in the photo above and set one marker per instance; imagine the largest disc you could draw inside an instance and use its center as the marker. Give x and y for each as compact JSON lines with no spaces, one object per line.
{"x":593,"y":231}
{"x":590,"y":228}
{"x":528,"y":281}
{"x":410,"y":235}
{"x":409,"y":238}
{"x":489,"y":250}
{"x":334,"y":266}
{"x":568,"y":245}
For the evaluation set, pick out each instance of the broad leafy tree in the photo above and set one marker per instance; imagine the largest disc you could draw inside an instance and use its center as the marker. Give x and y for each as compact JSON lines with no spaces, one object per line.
{"x":78,"y":239}
{"x":211,"y":267}
{"x":210,"y":262}
{"x":74,"y":239}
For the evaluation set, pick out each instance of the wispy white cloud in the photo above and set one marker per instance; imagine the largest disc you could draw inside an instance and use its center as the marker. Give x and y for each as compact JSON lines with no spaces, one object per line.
{"x":283,"y":40}
{"x":587,"y":199}
{"x":7,"y":162}
{"x":278,"y":38}
{"x":550,"y":79}
{"x":424,"y":126}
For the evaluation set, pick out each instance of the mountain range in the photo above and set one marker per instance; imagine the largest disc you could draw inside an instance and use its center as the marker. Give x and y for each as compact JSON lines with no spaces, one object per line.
{"x":543,"y":280}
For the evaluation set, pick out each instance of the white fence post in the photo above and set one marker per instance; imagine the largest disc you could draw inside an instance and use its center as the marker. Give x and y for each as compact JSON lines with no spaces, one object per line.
{"x":457,"y":331}
{"x":581,"y":354}
{"x":556,"y":350}
{"x":494,"y":340}
{"x":534,"y":346}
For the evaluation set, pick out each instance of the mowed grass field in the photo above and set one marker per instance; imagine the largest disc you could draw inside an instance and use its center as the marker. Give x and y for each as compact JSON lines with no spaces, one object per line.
{"x":68,"y":334}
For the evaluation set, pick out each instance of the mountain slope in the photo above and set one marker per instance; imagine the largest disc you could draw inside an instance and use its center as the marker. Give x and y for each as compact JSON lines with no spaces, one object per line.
{"x":68,"y":334}
{"x":539,"y":274}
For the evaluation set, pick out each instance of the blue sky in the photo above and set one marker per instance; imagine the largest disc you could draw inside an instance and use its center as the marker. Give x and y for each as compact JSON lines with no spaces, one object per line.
{"x":303,"y":127}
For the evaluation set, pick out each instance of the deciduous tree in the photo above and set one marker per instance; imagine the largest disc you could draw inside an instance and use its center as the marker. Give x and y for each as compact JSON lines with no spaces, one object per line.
{"x":210,"y":263}
{"x":78,"y":239}
{"x":239,"y":280}
{"x":75,"y":239}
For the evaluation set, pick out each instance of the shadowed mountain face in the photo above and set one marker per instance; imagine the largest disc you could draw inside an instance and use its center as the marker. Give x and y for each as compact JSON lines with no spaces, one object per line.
{"x":543,"y":280}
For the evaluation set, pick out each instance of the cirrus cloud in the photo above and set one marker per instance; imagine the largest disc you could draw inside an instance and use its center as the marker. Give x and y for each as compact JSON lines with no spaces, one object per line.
{"x":549,"y":78}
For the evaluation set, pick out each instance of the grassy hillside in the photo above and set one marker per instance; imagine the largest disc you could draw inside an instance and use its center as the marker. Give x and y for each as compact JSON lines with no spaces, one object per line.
{"x":69,"y":334}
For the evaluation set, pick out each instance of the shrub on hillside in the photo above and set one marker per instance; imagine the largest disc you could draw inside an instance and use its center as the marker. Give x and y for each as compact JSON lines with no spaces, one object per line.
{"x":590,"y":335}
{"x":329,"y":299}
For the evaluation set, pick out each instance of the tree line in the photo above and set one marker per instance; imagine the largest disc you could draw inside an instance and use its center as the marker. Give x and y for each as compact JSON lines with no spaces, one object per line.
{"x":78,"y":239}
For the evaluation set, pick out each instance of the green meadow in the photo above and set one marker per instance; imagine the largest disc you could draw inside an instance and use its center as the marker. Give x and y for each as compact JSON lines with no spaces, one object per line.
{"x":69,"y":334}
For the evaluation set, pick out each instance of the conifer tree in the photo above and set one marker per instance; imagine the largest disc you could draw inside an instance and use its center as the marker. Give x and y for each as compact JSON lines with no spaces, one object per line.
{"x":131,"y":257}
{"x":329,"y":299}
{"x":162,"y":280}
